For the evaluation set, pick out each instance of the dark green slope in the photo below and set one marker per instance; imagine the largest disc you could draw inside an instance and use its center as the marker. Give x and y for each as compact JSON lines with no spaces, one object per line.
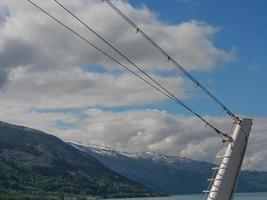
{"x":38,"y":166}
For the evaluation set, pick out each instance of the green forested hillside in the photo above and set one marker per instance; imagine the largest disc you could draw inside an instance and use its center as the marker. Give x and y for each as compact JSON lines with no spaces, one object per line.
{"x":35,"y":165}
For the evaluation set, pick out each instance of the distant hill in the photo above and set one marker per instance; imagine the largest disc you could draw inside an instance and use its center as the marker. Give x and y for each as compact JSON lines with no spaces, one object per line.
{"x":35,"y":165}
{"x":169,"y":174}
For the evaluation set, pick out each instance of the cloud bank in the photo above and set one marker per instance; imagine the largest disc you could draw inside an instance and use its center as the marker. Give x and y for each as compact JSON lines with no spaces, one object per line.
{"x":144,"y":130}
{"x":29,"y":38}
{"x":78,"y":88}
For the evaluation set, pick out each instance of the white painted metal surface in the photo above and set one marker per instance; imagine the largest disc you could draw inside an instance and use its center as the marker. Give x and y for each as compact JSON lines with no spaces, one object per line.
{"x":224,"y":183}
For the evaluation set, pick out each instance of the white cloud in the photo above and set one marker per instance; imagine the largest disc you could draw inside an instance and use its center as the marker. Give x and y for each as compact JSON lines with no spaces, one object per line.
{"x":30,"y":38}
{"x":75,"y":88}
{"x":44,"y":60}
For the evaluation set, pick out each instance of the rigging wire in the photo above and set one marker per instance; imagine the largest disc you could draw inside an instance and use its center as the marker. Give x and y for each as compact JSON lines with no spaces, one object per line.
{"x":125,"y":57}
{"x":159,"y":87}
{"x":170,"y":59}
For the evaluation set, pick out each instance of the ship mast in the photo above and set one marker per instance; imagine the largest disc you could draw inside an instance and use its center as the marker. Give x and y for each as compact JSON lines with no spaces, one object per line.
{"x":224,"y":183}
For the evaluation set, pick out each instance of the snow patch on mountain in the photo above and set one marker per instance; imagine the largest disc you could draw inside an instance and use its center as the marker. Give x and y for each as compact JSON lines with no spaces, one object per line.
{"x":155,"y":157}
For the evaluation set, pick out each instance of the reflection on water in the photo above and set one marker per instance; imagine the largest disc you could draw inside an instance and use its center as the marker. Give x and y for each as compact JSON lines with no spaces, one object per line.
{"x":244,"y":196}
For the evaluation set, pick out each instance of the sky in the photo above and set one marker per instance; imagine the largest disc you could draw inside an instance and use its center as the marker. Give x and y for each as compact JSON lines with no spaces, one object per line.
{"x":242,"y":25}
{"x":52,"y":81}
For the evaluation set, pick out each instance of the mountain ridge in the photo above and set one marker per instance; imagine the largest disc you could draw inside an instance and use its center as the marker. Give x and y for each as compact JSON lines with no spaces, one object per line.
{"x":36,"y":165}
{"x":169,"y":174}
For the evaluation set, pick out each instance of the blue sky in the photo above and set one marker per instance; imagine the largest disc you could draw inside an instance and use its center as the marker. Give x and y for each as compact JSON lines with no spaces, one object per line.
{"x":241,"y":84}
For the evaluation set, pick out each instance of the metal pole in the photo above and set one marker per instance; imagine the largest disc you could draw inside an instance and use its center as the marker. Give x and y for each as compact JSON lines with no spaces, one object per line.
{"x":225,"y":182}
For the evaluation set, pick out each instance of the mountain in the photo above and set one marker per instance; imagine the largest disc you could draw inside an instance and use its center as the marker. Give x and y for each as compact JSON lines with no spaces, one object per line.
{"x":35,"y":165}
{"x":169,"y":174}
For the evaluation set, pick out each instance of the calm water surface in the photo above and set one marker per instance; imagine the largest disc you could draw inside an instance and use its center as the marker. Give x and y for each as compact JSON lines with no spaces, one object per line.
{"x":244,"y":196}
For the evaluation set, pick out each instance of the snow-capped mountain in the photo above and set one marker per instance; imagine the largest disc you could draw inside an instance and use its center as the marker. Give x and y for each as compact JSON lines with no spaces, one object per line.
{"x":168,"y":174}
{"x":174,"y":161}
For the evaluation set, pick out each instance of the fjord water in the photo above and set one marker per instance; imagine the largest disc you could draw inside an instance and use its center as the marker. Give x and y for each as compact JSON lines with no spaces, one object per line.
{"x":243,"y":196}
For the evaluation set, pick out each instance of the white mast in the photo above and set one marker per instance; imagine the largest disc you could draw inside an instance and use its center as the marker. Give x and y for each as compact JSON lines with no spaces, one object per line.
{"x":224,"y":184}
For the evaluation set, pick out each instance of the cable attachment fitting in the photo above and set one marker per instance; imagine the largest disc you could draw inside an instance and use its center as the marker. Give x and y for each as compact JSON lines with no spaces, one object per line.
{"x":233,"y":116}
{"x":238,"y":120}
{"x":228,"y":138}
